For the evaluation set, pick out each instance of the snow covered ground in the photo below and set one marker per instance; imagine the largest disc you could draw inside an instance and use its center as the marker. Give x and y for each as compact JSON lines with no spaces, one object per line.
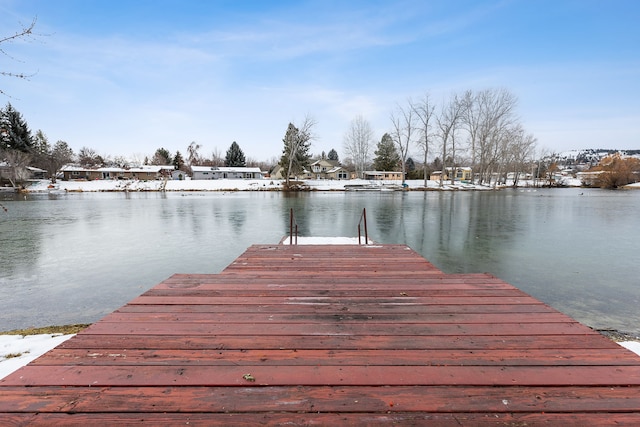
{"x":18,"y":350}
{"x":45,"y":186}
{"x":231,"y":185}
{"x":631,"y":345}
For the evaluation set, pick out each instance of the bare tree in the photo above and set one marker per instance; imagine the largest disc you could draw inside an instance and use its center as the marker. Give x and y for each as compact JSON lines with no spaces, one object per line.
{"x":193,"y":154}
{"x":89,"y":157}
{"x":17,"y":161}
{"x":449,"y":121}
{"x":496,"y":119}
{"x":424,"y":114}
{"x":403,"y":122}
{"x":216,"y":157}
{"x":357,"y":143}
{"x":617,"y":171}
{"x":23,"y":33}
{"x":123,"y":162}
{"x":471,"y":122}
{"x":521,"y":149}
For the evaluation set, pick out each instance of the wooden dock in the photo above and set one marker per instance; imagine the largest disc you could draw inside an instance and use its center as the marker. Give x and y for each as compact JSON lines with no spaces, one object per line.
{"x":330,"y":335}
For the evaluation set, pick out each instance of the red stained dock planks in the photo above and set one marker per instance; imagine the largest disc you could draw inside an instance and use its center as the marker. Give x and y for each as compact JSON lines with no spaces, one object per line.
{"x":321,"y":334}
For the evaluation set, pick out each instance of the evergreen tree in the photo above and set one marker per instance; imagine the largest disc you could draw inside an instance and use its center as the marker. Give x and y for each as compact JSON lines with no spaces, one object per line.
{"x":178,"y":161}
{"x":235,"y":156}
{"x":49,"y":158}
{"x":41,"y":143}
{"x":387,"y":158}
{"x":14,"y":132}
{"x":41,"y":150}
{"x":333,"y":155}
{"x":410,"y":165}
{"x":161,"y":157}
{"x":61,"y":154}
{"x":412,"y":171}
{"x":295,"y":155}
{"x":436,"y":165}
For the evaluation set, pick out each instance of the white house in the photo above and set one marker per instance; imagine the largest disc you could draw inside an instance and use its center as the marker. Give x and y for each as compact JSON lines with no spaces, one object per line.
{"x":219,"y":172}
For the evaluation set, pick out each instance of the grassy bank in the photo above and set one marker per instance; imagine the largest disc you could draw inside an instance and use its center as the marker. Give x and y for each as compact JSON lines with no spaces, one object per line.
{"x":64,"y":330}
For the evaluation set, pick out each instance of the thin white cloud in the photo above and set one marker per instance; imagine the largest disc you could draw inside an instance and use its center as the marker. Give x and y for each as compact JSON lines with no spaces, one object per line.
{"x":244,"y":78}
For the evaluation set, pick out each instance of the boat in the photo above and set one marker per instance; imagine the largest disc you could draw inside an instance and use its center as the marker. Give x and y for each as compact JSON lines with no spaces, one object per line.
{"x":373,"y":187}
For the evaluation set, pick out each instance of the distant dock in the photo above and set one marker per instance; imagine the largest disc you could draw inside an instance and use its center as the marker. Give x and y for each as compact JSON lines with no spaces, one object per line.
{"x":330,"y":335}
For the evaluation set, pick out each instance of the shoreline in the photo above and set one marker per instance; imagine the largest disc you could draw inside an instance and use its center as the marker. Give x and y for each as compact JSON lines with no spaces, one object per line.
{"x":53,"y":329}
{"x":238,"y":185}
{"x":234,"y":185}
{"x":618,"y":336}
{"x":266,"y":184}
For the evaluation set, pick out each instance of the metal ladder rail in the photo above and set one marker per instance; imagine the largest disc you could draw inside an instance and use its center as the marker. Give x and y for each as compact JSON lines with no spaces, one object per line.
{"x":363,"y":221}
{"x":362,"y":226}
{"x":293,"y":228}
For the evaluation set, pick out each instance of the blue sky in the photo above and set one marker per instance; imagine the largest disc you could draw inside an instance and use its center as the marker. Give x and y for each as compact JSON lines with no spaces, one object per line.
{"x":128,"y":77}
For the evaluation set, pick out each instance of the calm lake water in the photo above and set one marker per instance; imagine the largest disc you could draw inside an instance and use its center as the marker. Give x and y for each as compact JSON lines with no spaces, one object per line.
{"x":73,"y":258}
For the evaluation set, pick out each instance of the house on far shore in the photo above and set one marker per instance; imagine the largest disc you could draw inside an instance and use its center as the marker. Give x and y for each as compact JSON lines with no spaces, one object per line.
{"x":219,"y":172}
{"x":382,"y":175}
{"x":462,"y":174}
{"x":142,"y":173}
{"x":326,"y":169}
{"x":7,"y":174}
{"x":277,"y":173}
{"x":36,"y":173}
{"x":179,"y":175}
{"x":319,"y":169}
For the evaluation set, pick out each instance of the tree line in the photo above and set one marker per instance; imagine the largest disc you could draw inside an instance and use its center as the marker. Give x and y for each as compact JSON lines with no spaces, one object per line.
{"x":20,"y":148}
{"x":479,"y":129}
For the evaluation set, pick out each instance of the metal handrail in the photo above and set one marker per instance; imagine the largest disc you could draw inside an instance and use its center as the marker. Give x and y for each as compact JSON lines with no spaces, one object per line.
{"x":293,"y":226}
{"x":363,"y":219}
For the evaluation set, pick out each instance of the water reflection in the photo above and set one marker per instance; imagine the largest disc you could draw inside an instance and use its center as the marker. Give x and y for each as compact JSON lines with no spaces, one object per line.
{"x":75,"y":257}
{"x":296,"y":204}
{"x":388,"y":217}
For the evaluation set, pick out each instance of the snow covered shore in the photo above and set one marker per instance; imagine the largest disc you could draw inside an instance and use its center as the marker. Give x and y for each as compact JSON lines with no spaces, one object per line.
{"x":18,"y":350}
{"x":45,"y":186}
